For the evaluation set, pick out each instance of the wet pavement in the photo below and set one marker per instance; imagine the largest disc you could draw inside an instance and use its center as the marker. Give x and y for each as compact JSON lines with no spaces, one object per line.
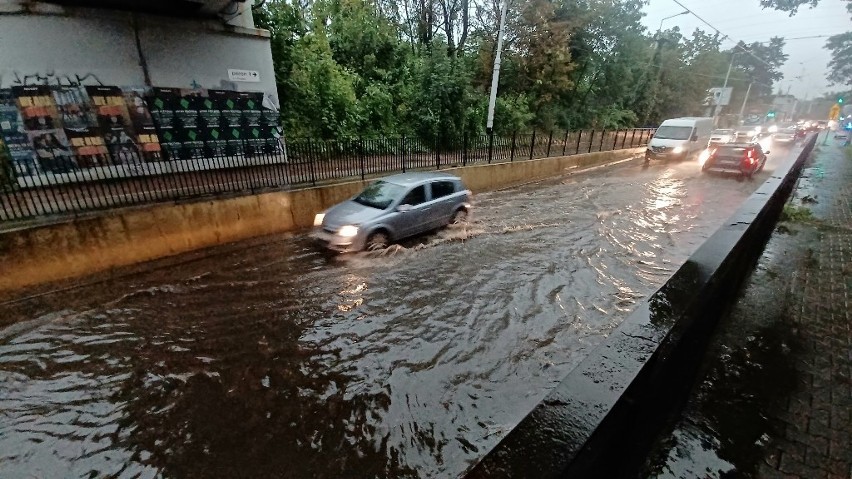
{"x":774,"y":397}
{"x":270,"y":358}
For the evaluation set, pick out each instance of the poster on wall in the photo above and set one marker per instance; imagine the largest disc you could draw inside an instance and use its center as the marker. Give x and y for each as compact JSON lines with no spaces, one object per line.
{"x":149,"y":143}
{"x":109,"y":107}
{"x":88,"y":146}
{"x":37,"y":107}
{"x":122,"y":146}
{"x":52,"y":150}
{"x":250,"y":105}
{"x":229,"y":111}
{"x":162,"y":103}
{"x":74,"y":107}
{"x":140,"y":115}
{"x":190,"y":104}
{"x":15,"y":137}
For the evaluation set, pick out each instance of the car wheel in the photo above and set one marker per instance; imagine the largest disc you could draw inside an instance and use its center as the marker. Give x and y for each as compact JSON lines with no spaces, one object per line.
{"x":459,"y":217}
{"x":377,"y":241}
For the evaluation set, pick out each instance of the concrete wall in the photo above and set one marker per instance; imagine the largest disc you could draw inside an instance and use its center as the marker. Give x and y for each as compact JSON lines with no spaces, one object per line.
{"x":32,"y":256}
{"x":53,"y":41}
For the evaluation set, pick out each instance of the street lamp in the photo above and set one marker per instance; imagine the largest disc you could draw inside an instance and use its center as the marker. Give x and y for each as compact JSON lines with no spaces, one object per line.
{"x":492,"y":100}
{"x":670,"y":16}
{"x":651,"y":61}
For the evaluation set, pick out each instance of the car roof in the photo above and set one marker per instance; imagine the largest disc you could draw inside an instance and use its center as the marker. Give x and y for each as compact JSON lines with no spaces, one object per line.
{"x":407,"y":179}
{"x":740,"y":144}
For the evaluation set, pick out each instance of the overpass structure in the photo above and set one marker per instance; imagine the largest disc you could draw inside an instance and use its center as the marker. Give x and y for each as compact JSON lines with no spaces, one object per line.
{"x":192,"y":44}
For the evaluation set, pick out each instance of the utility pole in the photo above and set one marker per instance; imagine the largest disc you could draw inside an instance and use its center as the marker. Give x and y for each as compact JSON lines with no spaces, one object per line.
{"x":742,"y":109}
{"x":727,"y":76}
{"x":489,"y":125}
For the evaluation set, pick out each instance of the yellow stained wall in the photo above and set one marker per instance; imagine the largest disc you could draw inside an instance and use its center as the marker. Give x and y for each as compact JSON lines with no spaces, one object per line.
{"x":83,"y":246}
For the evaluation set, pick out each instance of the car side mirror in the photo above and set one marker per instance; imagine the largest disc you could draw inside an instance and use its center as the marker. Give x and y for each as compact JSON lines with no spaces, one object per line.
{"x":403,"y":208}
{"x":766,"y":152}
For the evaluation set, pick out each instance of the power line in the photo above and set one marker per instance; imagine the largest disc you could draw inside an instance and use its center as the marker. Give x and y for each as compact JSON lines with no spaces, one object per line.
{"x":719,"y":32}
{"x":703,"y":20}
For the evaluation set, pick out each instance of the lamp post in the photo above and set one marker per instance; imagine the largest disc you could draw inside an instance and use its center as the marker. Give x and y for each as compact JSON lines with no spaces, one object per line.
{"x":660,"y":28}
{"x":742,"y":108}
{"x":727,"y":76}
{"x":489,"y":123}
{"x":651,"y":61}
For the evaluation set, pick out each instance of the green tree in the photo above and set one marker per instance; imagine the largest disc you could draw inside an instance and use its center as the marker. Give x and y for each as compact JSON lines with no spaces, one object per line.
{"x":840,"y":66}
{"x":323,"y":100}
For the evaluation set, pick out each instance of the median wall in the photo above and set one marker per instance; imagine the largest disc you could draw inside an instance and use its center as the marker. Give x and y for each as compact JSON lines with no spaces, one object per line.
{"x":41,"y":254}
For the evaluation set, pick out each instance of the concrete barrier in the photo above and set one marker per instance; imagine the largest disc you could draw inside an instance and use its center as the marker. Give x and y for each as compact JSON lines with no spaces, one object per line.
{"x":602,"y":418}
{"x":83,"y":246}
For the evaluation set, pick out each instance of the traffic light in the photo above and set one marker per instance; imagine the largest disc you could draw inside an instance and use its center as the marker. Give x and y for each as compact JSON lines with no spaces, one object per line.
{"x":770,"y":114}
{"x":840,"y":100}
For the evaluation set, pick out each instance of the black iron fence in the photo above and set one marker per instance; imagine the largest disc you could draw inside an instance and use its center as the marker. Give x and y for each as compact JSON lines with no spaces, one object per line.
{"x":72,"y":185}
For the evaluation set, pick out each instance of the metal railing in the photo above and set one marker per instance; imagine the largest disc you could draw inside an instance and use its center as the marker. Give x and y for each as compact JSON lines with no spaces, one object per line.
{"x":74,"y":185}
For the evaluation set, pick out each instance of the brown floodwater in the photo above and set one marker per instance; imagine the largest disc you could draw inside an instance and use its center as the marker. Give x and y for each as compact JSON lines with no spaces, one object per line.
{"x":271,"y":358}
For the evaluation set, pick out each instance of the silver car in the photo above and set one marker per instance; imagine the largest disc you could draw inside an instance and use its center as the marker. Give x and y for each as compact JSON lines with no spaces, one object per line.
{"x":721,"y":136}
{"x":393,"y":208}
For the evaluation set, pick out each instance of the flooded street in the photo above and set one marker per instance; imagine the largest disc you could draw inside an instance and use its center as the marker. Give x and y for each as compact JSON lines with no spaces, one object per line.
{"x":271,"y":358}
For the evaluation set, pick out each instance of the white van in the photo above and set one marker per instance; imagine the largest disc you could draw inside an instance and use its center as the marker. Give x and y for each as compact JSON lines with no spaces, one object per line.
{"x":680,"y":139}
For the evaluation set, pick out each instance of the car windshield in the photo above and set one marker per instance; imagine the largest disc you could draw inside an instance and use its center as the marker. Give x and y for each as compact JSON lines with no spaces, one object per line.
{"x":380,"y":195}
{"x":667,"y":132}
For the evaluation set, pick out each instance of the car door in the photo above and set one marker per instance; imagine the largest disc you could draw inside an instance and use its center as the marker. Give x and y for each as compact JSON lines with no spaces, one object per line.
{"x":443,"y":202}
{"x":413,"y":216}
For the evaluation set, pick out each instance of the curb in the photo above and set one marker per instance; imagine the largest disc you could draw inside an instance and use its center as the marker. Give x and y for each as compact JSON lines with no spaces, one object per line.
{"x":601,"y":419}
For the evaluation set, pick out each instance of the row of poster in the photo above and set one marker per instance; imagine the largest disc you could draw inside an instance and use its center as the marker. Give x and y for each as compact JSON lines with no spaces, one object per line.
{"x":54,"y":129}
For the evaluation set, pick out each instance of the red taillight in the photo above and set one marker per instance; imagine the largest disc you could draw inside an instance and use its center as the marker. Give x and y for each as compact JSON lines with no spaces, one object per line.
{"x":749,"y":156}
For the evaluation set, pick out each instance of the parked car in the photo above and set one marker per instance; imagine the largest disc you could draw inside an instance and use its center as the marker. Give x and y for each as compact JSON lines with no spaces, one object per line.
{"x":721,"y":136}
{"x":743,"y":158}
{"x":679,"y":138}
{"x":391,"y":209}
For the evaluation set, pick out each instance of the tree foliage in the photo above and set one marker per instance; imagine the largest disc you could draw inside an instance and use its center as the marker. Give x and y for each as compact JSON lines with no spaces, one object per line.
{"x":840,"y":66}
{"x":423,"y":68}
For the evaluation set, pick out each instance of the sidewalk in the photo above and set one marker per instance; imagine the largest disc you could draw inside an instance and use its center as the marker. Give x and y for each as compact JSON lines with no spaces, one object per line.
{"x":774,"y":398}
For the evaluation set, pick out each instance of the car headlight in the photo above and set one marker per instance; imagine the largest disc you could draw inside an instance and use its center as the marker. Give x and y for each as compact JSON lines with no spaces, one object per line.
{"x":677,"y":149}
{"x":348,"y":231}
{"x":773,"y":128}
{"x":318,"y":219}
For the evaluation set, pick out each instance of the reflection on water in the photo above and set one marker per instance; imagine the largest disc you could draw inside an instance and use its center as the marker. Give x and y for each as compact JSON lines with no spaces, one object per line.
{"x":274,"y":359}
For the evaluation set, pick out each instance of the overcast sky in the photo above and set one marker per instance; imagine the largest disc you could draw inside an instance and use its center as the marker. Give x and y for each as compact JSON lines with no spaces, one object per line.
{"x":804,"y":72}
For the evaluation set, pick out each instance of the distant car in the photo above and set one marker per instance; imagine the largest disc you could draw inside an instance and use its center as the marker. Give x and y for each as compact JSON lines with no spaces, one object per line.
{"x":721,"y":136}
{"x":786,"y":135}
{"x":822,"y":124}
{"x":743,"y":158}
{"x":746,"y":134}
{"x":391,"y":209}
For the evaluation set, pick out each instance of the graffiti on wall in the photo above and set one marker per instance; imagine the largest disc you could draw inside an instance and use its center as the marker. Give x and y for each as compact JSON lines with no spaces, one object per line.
{"x":51,"y":78}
